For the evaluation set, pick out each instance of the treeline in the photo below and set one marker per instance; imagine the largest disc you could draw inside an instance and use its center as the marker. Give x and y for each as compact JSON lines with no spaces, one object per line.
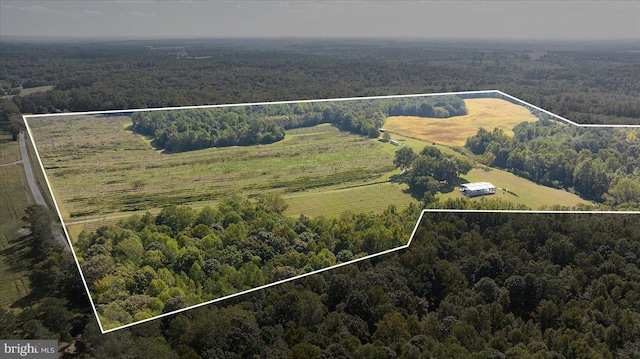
{"x":599,"y":164}
{"x":57,"y":307}
{"x":178,"y":131}
{"x":153,"y":264}
{"x":184,"y":130}
{"x":10,"y":118}
{"x":438,"y":107}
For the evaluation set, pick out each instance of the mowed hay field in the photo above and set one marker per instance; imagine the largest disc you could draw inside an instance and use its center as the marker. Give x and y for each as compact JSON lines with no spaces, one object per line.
{"x":482,"y":112}
{"x":521,"y":190}
{"x":373,"y":198}
{"x":97,"y":166}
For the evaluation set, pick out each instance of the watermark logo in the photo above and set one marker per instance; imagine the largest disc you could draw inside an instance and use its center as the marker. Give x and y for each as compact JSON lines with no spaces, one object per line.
{"x":43,"y":349}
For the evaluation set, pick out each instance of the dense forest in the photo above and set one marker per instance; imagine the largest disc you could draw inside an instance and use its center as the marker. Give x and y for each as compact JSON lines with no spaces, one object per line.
{"x":469,"y":286}
{"x":184,"y":130}
{"x":599,"y":164}
{"x":587,"y":83}
{"x":149,"y":265}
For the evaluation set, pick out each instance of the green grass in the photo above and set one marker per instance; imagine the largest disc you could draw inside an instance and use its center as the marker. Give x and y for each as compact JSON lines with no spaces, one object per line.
{"x":417,"y":145}
{"x":373,"y":198}
{"x":14,"y":271}
{"x":97,"y":167}
{"x":521,"y":190}
{"x":102,"y":172}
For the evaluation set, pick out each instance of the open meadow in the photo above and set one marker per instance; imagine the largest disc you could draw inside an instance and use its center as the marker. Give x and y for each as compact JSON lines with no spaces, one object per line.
{"x":102,"y":172}
{"x":520,"y":190}
{"x":96,"y":166}
{"x":454,"y":131}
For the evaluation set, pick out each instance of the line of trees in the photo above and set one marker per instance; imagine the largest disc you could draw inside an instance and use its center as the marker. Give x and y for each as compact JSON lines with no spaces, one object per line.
{"x":438,"y":107}
{"x":10,"y":118}
{"x":599,"y":164}
{"x":185,"y":130}
{"x":178,"y":131}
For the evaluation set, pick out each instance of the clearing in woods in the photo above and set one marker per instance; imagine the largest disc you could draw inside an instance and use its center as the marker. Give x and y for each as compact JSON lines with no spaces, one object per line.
{"x":521,"y":190}
{"x":454,"y":131}
{"x":97,"y":167}
{"x":101,"y":171}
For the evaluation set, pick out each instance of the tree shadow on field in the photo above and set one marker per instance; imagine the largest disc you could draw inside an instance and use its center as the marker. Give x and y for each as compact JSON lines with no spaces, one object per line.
{"x":18,"y":253}
{"x":148,"y":139}
{"x":506,"y":191}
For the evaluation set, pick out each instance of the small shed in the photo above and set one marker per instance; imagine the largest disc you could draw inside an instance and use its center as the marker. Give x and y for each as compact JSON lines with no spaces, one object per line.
{"x":395,"y":143}
{"x":477,"y":189}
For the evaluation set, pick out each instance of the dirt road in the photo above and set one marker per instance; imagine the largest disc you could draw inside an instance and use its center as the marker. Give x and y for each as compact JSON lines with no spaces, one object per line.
{"x":35,"y":190}
{"x":11,"y":163}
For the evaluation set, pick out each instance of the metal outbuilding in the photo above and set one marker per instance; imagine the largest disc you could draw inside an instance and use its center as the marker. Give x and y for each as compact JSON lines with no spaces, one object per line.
{"x":477,"y":189}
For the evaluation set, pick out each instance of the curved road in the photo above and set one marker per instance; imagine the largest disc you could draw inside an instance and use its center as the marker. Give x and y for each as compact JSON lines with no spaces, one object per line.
{"x":35,"y":190}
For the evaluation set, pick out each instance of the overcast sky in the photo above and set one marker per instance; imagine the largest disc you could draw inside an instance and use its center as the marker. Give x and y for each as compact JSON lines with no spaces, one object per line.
{"x":421,"y":19}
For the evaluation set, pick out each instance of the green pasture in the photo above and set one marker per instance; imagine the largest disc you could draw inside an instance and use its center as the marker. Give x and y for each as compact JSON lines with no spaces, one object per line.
{"x":96,"y":166}
{"x":101,"y":172}
{"x":373,"y":198}
{"x":14,"y":244}
{"x":520,"y":190}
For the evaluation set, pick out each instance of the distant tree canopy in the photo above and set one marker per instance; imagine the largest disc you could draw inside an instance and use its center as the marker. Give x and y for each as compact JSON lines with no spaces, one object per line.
{"x":185,"y":130}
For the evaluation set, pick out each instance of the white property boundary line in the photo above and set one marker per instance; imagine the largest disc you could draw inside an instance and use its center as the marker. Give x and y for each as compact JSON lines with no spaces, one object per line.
{"x":488,"y":92}
{"x":511,"y":211}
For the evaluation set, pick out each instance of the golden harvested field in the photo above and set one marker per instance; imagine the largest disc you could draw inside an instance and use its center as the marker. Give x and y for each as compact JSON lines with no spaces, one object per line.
{"x":482,"y":112}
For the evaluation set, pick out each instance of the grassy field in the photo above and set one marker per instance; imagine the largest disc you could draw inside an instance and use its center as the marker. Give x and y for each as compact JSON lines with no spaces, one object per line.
{"x":101,"y":171}
{"x":521,"y":191}
{"x":97,"y":167}
{"x":14,"y":281}
{"x":31,"y":90}
{"x":482,"y":112}
{"x":418,"y":145}
{"x":373,"y":198}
